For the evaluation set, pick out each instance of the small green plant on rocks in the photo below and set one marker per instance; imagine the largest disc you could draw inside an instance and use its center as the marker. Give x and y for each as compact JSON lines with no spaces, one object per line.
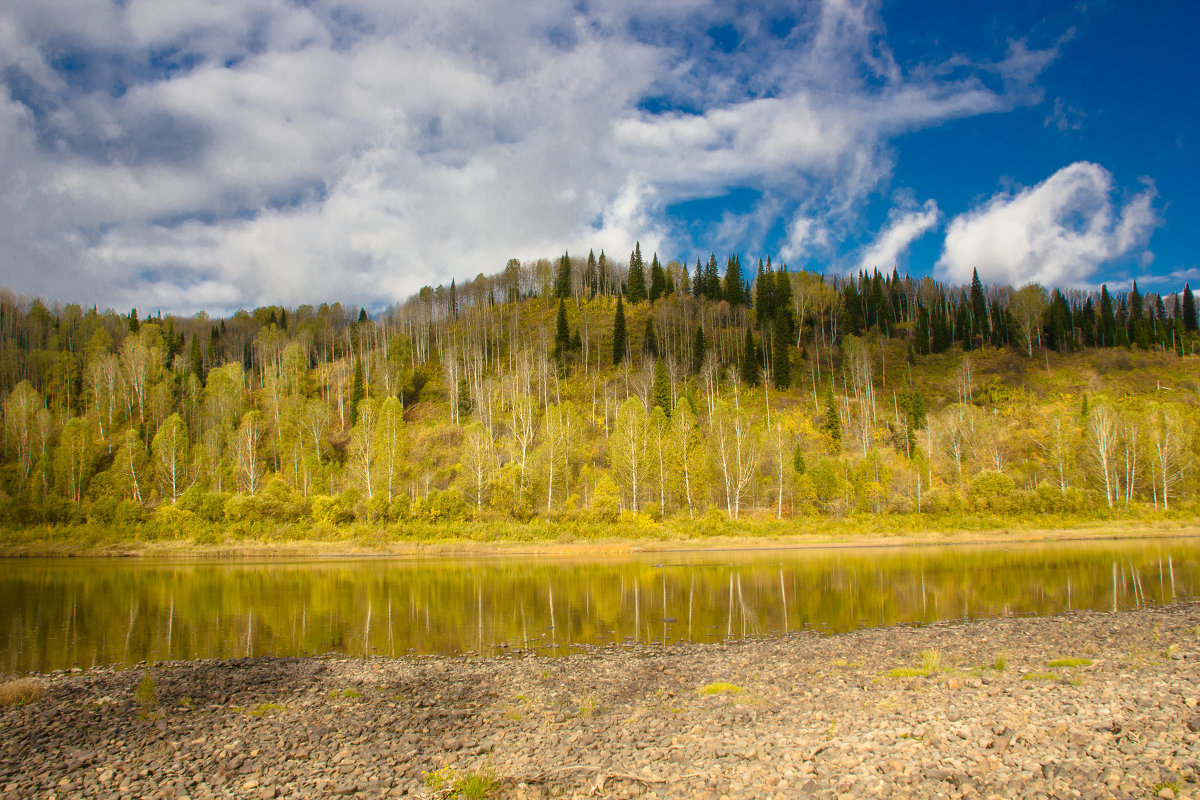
{"x":146,"y":695}
{"x":720,"y":687}
{"x":468,"y":785}
{"x":1038,"y":676}
{"x":345,"y":694}
{"x":931,"y":663}
{"x":587,"y":705}
{"x":1000,"y":663}
{"x":1069,"y":662}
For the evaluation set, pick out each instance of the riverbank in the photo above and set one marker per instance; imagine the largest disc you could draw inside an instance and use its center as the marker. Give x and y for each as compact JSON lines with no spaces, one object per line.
{"x":566,"y":539}
{"x":1078,"y":705}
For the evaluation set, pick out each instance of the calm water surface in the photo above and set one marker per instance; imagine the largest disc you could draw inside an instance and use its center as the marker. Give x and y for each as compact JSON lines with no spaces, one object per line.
{"x":81,"y":612}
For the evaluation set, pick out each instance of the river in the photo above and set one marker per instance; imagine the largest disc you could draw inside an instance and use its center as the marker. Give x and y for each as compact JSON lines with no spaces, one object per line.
{"x":62,"y":613}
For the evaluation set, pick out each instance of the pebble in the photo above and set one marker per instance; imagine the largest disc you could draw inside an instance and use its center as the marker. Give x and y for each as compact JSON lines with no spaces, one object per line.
{"x":816,"y":716}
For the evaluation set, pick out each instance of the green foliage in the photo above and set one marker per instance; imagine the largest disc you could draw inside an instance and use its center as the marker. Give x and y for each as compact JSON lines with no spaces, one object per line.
{"x":620,"y":342}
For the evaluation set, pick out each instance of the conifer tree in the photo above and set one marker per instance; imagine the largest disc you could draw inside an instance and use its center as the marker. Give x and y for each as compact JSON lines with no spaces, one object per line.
{"x":833,"y":422}
{"x":698,"y":349}
{"x":1189,"y":308}
{"x":660,"y":393}
{"x":712,"y":281}
{"x":197,"y":360}
{"x":562,"y":335}
{"x":1107,"y":329}
{"x":562,"y":284}
{"x":357,"y":390}
{"x":635,"y":282}
{"x":783,"y":299}
{"x":781,"y":353}
{"x":749,"y":366}
{"x":649,"y":339}
{"x":591,"y":278}
{"x":658,"y":279}
{"x":619,"y":336}
{"x":979,"y":318}
{"x":734,"y":289}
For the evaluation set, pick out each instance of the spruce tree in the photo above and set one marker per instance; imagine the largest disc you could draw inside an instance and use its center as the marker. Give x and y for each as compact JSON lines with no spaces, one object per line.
{"x":749,"y":366}
{"x":197,"y":359}
{"x":658,"y":279}
{"x":781,"y":353}
{"x":783,"y":299}
{"x":698,"y":349}
{"x":1189,"y":308}
{"x":734,"y":290}
{"x":635,"y":282}
{"x":712,"y":282}
{"x":562,"y":335}
{"x":357,"y":390}
{"x":1107,"y":331}
{"x":591,"y":278}
{"x":660,"y":393}
{"x":833,"y":421}
{"x":562,"y":284}
{"x":619,"y":335}
{"x":979,"y":319}
{"x":649,"y":339}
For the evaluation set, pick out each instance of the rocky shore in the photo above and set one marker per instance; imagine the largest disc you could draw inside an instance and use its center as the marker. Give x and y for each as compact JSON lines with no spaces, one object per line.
{"x":1086,"y":705}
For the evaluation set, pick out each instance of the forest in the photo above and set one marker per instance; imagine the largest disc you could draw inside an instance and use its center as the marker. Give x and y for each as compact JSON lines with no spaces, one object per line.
{"x":582,"y":391}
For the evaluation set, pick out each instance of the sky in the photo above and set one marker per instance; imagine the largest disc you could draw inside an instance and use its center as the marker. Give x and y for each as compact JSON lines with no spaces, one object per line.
{"x":215,"y":155}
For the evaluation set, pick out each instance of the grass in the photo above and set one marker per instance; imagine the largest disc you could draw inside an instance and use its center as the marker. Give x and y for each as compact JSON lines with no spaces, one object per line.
{"x":262,"y":708}
{"x":1039,"y":676}
{"x":1069,"y":662}
{"x":931,"y":664}
{"x":575,"y":535}
{"x":587,"y":705}
{"x":21,"y":692}
{"x":146,"y":694}
{"x":720,"y":687}
{"x":468,"y":784}
{"x":345,"y":694}
{"x":1000,"y":663}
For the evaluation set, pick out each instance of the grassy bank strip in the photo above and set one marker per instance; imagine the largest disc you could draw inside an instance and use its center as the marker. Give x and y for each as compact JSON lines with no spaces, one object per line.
{"x":206,"y":539}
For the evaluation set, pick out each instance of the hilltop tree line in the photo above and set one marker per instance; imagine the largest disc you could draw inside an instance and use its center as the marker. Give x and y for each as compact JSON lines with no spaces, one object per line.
{"x":587,"y":387}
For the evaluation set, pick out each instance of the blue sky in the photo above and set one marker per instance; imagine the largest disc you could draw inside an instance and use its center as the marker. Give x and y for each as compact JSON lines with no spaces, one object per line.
{"x":215,"y":155}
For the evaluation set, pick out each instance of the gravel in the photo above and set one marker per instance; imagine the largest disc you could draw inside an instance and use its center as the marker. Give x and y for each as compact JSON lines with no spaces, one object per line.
{"x":801,"y":715}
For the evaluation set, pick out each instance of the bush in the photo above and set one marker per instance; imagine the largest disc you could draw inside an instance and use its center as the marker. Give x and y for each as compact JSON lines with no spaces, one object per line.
{"x":208,"y":506}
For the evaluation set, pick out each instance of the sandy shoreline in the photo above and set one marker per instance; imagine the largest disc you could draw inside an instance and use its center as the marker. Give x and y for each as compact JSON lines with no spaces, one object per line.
{"x":245,"y":549}
{"x":802,"y":715}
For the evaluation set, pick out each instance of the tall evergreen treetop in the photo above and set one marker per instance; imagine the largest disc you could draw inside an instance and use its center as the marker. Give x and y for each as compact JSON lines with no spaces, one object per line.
{"x":979,"y":317}
{"x":734,"y":289}
{"x":635,"y":281}
{"x":562,"y":284}
{"x":1189,"y":308}
{"x":658,"y":279}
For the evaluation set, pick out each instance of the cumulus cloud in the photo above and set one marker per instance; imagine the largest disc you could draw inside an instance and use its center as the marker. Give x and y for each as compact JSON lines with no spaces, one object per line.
{"x":1056,"y":233}
{"x":212,"y":155}
{"x":903,"y":227}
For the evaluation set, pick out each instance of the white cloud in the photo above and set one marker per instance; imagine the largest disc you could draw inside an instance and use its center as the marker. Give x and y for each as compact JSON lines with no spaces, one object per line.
{"x":218,"y":155}
{"x":903,"y":227}
{"x":1056,"y":233}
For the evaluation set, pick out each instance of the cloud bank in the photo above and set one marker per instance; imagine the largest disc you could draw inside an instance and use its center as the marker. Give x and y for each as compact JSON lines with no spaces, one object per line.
{"x":192,"y":155}
{"x":1057,"y":233}
{"x":903,"y":227}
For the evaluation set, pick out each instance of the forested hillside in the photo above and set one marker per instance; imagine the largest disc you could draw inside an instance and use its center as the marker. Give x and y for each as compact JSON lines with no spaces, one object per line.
{"x":584,"y":388}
